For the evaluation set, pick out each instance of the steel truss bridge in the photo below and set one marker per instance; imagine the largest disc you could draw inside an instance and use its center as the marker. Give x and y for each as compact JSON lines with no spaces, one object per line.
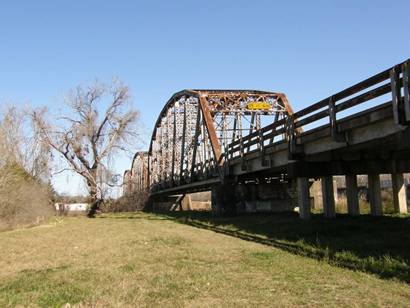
{"x":229,"y":140}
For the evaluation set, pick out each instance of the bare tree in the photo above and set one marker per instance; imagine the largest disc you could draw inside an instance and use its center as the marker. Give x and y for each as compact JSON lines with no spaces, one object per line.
{"x":21,"y":145}
{"x":24,"y":171}
{"x":86,"y":140}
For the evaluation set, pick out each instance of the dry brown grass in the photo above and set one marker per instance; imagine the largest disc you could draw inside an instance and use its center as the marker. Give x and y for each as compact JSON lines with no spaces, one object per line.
{"x":387,"y":204}
{"x":341,"y":206}
{"x":145,"y":260}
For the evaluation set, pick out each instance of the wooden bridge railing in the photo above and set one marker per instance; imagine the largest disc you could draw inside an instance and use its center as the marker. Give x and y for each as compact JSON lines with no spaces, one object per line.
{"x":394,"y":80}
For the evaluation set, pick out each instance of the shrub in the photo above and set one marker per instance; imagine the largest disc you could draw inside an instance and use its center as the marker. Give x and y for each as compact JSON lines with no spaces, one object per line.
{"x":387,"y":200}
{"x":127,"y":203}
{"x":23,"y":200}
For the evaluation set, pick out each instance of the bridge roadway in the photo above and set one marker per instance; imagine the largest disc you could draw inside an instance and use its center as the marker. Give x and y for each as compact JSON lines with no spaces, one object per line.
{"x":362,"y":130}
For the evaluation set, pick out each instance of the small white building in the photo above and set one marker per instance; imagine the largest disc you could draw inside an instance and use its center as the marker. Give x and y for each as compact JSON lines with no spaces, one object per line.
{"x":71,"y":207}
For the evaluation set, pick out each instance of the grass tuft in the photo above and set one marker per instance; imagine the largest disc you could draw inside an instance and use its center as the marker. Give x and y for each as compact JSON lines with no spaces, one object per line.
{"x":46,"y":287}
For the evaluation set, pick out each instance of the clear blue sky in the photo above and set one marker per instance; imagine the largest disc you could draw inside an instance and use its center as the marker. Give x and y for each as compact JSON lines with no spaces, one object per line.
{"x":307,"y":49}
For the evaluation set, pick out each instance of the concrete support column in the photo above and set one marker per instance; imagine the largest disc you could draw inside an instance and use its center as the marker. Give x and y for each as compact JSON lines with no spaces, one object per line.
{"x":351,"y":195}
{"x":399,"y":193}
{"x":241,"y":196}
{"x":335,"y":194}
{"x":375,"y":195}
{"x":302,"y":185}
{"x":216,"y":201}
{"x":328,"y":197}
{"x":252,"y":197}
{"x":186,"y":203}
{"x":316,"y":193}
{"x":223,"y":199}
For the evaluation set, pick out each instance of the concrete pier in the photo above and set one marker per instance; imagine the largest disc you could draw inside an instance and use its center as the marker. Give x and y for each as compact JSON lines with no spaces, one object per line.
{"x":329,"y":210}
{"x":375,"y":195}
{"x":399,"y":193}
{"x":303,"y":197}
{"x":223,"y":199}
{"x":216,"y":201}
{"x":316,"y":193}
{"x":352,"y":195}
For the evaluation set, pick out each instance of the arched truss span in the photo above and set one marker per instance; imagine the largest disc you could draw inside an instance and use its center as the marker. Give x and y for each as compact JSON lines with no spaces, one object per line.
{"x":126,"y":182}
{"x":139,"y":172}
{"x":195,"y":128}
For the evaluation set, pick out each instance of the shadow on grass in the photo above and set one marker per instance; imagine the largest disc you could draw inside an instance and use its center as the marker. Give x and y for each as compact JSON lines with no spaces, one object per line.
{"x":377,"y":245}
{"x":131,"y":216}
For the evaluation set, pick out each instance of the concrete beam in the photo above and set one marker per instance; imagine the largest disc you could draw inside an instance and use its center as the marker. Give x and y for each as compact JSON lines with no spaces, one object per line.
{"x":375,"y":195}
{"x":338,"y":167}
{"x":303,"y":197}
{"x":329,"y":210}
{"x":352,"y":195}
{"x":399,"y":193}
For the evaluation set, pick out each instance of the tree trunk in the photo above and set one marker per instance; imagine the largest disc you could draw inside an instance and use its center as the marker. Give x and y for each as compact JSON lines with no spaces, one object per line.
{"x":95,"y":205}
{"x":95,"y":202}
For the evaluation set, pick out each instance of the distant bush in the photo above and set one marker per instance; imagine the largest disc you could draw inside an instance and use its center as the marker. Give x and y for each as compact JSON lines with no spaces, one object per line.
{"x":387,"y":203}
{"x":127,"y":203}
{"x":341,"y":206}
{"x":23,"y":199}
{"x":387,"y":200}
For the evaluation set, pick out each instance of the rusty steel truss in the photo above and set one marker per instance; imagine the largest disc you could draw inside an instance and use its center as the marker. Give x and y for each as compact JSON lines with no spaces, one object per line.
{"x":139,"y":171}
{"x":126,"y":183}
{"x":192,"y":134}
{"x":136,"y":179}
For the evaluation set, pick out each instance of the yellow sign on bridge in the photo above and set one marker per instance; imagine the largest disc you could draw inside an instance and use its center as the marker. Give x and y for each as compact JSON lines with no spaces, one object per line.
{"x":258,"y":106}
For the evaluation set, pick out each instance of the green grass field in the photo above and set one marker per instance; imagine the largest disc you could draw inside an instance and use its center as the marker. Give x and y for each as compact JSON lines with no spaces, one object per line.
{"x":191,"y":259}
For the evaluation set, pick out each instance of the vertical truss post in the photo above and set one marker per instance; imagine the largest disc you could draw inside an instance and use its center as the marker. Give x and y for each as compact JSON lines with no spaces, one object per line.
{"x":165,"y":144}
{"x":148,"y":170}
{"x":173,"y":144}
{"x":291,"y":136}
{"x":396,"y":96}
{"x":241,"y":147}
{"x":274,"y":129}
{"x":251,"y":131}
{"x":234,"y":131}
{"x":205,"y":148}
{"x":262,"y":145}
{"x":336,"y":135}
{"x":181,"y":168}
{"x":196,"y":136}
{"x":258,"y":128}
{"x":161,"y":155}
{"x":406,"y":89}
